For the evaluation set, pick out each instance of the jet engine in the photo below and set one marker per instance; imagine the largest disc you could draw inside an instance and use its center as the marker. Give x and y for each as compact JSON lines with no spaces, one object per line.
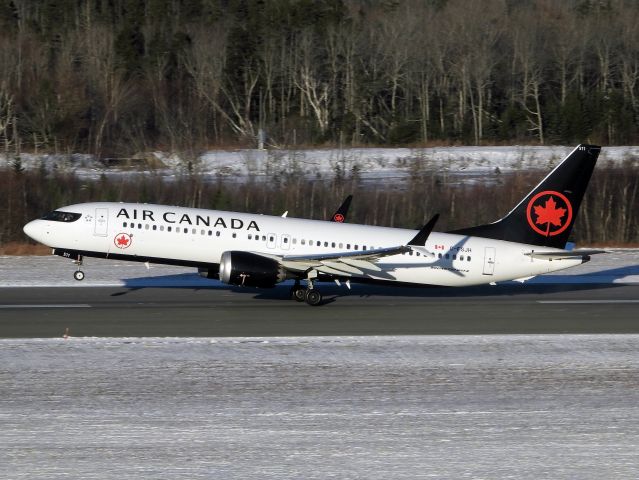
{"x":250,"y":270}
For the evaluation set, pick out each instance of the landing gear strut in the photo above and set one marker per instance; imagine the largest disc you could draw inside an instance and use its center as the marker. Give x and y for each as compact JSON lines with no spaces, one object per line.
{"x":309,"y":295}
{"x":78,"y":274}
{"x":313,"y":297}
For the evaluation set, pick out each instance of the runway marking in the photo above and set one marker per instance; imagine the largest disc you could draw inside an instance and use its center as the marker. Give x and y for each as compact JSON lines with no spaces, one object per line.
{"x":587,"y":301}
{"x":58,"y":305}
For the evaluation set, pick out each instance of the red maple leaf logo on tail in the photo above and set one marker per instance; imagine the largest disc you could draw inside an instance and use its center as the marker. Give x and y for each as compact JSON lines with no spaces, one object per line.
{"x":549,"y":214}
{"x":555,"y":218}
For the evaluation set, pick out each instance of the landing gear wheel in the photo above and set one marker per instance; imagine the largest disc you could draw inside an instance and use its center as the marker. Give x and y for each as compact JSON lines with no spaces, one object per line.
{"x":313,"y":297}
{"x":298,"y":294}
{"x":78,"y":275}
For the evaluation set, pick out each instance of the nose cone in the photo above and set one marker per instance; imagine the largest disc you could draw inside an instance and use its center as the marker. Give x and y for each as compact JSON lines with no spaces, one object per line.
{"x":32,"y":229}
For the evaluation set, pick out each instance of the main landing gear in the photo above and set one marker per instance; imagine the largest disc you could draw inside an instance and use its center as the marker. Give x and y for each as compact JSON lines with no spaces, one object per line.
{"x":309,"y":295}
{"x":78,"y":274}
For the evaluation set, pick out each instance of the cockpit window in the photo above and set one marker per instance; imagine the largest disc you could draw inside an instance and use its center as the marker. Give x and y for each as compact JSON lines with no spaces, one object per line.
{"x":58,"y":216}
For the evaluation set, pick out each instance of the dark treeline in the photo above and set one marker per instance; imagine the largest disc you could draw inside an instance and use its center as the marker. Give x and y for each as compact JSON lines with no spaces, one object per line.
{"x":113,"y":77}
{"x":609,"y":213}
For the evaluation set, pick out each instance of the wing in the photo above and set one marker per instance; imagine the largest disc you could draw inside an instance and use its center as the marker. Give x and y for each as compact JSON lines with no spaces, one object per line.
{"x":352,"y":263}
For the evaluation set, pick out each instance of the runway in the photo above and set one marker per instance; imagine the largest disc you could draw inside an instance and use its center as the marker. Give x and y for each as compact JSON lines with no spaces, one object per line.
{"x":365,"y":310}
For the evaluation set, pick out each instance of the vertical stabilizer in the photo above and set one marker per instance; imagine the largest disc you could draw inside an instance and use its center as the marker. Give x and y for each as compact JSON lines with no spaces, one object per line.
{"x":547,"y":214}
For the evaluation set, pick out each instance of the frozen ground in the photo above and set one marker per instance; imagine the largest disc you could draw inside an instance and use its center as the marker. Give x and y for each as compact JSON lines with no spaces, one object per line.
{"x":617,"y":266}
{"x":453,"y":407}
{"x":371,"y":164}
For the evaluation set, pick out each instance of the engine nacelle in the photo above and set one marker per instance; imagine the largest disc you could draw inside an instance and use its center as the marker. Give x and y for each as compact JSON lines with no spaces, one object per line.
{"x":250,"y":270}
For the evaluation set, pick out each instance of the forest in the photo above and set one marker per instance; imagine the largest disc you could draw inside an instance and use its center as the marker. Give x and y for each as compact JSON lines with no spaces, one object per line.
{"x":609,"y":214}
{"x":115,"y":77}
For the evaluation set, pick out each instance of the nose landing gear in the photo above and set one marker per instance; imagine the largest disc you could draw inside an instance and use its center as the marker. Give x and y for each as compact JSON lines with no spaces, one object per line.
{"x":78,"y":274}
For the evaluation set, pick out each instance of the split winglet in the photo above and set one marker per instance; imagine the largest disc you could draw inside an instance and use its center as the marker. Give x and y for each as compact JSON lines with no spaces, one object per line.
{"x":422,"y":235}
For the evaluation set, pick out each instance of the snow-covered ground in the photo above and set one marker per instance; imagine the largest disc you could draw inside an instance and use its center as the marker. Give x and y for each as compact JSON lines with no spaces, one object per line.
{"x":617,"y":266}
{"x":446,"y":407}
{"x":372,"y":164}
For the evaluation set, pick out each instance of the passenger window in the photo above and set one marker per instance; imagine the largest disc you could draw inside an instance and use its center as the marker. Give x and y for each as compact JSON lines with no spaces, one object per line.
{"x":326,"y":244}
{"x":341,"y":245}
{"x":186,"y":230}
{"x":348,"y":246}
{"x":454,"y":257}
{"x":447,"y":256}
{"x":168,"y":229}
{"x":257,"y":237}
{"x":155,"y":227}
{"x":139,"y":226}
{"x":161,"y":228}
{"x":294,"y":241}
{"x":303,"y":242}
{"x":250,"y":237}
{"x":364,"y":248}
{"x":210,"y":233}
{"x":234,"y":235}
{"x":217,"y":234}
{"x":468,"y":259}
{"x":124,"y":224}
{"x":333,"y":245}
{"x":319,"y":244}
{"x":355,"y":247}
{"x":285,"y":239}
{"x":439,"y":255}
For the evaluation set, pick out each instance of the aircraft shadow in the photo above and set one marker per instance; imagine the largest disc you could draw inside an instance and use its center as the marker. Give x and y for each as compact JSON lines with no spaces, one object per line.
{"x":603,"y":279}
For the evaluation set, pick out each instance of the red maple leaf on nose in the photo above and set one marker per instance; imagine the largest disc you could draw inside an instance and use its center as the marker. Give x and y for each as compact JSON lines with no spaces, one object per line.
{"x":549,"y":214}
{"x":123,"y":240}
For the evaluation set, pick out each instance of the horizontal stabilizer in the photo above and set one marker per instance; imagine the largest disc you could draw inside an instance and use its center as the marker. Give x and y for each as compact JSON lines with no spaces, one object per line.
{"x":563,"y":255}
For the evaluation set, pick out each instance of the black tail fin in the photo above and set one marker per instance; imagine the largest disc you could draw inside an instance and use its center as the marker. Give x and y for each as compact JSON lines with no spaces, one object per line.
{"x":546,"y":216}
{"x":340,"y":215}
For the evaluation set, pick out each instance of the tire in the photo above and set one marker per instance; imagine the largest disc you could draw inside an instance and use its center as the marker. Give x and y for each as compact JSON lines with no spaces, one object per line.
{"x":298,"y":294}
{"x":313,"y":297}
{"x":78,"y":275}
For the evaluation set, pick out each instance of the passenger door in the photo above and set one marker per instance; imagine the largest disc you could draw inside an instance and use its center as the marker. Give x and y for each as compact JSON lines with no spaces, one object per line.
{"x":101,"y":222}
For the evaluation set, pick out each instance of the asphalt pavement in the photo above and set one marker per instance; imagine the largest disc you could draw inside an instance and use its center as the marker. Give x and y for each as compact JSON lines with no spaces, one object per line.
{"x":34,"y":312}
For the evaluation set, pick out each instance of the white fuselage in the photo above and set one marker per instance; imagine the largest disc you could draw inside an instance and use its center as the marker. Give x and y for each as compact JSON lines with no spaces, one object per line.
{"x":192,"y":236}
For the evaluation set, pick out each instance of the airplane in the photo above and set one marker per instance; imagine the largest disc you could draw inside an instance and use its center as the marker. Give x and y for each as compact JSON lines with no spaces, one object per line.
{"x":254,"y":250}
{"x":340,"y":214}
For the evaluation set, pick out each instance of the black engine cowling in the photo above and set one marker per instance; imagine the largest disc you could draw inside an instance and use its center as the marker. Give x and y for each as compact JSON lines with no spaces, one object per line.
{"x":250,"y":270}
